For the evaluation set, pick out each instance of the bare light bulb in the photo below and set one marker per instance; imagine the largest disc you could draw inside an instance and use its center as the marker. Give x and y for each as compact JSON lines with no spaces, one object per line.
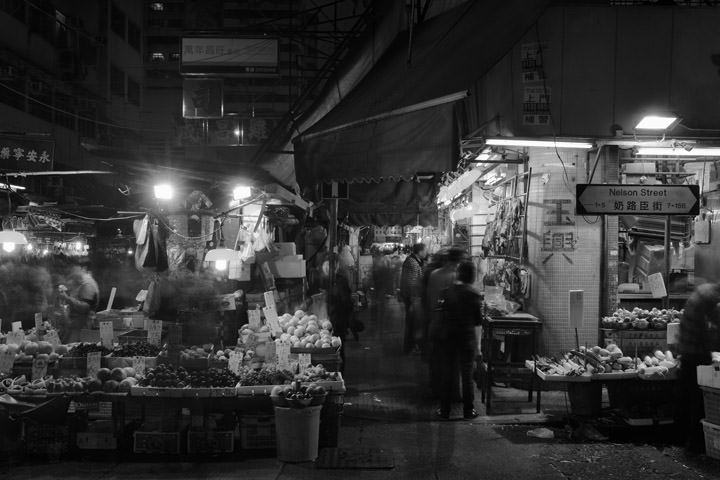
{"x":8,"y":247}
{"x":221,"y":265}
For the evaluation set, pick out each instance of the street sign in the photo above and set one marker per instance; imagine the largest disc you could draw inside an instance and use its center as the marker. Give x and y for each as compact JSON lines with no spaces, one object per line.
{"x":637,"y":199}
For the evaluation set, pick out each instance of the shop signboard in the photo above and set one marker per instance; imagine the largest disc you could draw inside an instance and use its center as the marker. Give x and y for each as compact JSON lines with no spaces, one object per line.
{"x":619,"y":199}
{"x":238,"y":56}
{"x":23,"y":153}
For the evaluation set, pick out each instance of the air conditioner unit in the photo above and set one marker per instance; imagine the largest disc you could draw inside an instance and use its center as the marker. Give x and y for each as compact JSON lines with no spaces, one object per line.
{"x":7,"y":72}
{"x":37,"y":88}
{"x":86,"y":104}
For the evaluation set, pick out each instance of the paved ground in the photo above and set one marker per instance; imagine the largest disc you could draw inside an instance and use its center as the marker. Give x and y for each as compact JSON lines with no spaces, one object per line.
{"x":389,"y":408}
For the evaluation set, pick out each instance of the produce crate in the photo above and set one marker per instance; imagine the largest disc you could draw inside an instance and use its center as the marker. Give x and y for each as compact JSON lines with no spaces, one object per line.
{"x":46,"y":439}
{"x":646,"y":341}
{"x":257,"y":432}
{"x":708,"y":376}
{"x":332,"y":361}
{"x":213,"y":442}
{"x":642,"y":399}
{"x":711,"y":397}
{"x":96,"y":441}
{"x":69,"y":366}
{"x":158,"y":443}
{"x":712,"y":439}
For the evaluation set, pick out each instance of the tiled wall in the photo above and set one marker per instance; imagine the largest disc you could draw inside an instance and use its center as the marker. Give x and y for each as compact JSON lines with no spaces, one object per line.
{"x":555,"y":273}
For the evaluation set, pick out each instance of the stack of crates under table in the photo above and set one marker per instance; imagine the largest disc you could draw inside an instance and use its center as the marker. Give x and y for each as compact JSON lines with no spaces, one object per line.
{"x":709,"y":380}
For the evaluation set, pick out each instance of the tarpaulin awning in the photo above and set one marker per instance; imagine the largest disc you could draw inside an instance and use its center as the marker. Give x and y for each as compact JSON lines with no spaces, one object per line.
{"x":400,"y":119}
{"x":390,"y":203}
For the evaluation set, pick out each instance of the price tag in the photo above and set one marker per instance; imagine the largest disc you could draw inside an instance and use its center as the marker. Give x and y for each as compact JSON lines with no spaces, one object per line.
{"x":141,"y":296}
{"x":304,"y":361}
{"x":38,"y":321}
{"x":270,"y":353}
{"x":139,"y":366}
{"x":283,"y":355}
{"x":255,"y":318}
{"x":16,"y":326}
{"x":52,"y":338}
{"x":673,"y":333}
{"x":154,"y":331}
{"x":657,"y":285}
{"x":271,"y":319}
{"x":270,"y":300}
{"x":106,"y":334}
{"x":15,"y":338}
{"x":39,"y":368}
{"x":93,"y":363}
{"x":235,"y":361}
{"x":7,"y":360}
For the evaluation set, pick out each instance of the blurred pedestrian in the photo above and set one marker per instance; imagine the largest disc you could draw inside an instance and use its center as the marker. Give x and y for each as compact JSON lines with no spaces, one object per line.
{"x":411,"y":293}
{"x":698,"y":338}
{"x":339,"y":306}
{"x":382,"y":283}
{"x":460,"y":312}
{"x":82,"y":296}
{"x":438,"y":280}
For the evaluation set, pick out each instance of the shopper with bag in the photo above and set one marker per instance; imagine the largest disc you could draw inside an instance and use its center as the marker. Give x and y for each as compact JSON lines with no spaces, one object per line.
{"x":460,"y":312}
{"x":411,"y":293}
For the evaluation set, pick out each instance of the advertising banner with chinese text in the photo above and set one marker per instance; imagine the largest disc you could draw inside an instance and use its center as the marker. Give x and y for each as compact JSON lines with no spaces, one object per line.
{"x":26,"y":153}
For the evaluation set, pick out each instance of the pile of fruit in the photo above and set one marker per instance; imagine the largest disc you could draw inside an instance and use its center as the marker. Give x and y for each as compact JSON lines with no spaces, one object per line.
{"x":72,"y":384}
{"x":167,"y":376}
{"x":22,"y":386}
{"x":251,"y":377}
{"x":82,"y":349}
{"x":306,"y":331}
{"x":297,"y":395}
{"x":194,"y":352}
{"x":639,"y":319}
{"x":140,"y":349}
{"x":316,"y":374}
{"x":609,"y":360}
{"x":29,"y":351}
{"x":113,"y":381}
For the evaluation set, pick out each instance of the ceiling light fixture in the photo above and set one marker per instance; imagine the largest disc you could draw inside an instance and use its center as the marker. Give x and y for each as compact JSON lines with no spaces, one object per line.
{"x":164,"y":191}
{"x":657,"y":122}
{"x":10,"y":238}
{"x":524,"y":142}
{"x":679,"y":152}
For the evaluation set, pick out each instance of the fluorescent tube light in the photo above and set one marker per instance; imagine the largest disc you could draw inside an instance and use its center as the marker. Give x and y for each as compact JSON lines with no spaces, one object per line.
{"x":519,"y":142}
{"x":680,"y":152}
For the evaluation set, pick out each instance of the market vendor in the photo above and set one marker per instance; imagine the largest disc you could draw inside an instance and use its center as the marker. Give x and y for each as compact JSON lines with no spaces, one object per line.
{"x":81,"y":294}
{"x":698,"y":338}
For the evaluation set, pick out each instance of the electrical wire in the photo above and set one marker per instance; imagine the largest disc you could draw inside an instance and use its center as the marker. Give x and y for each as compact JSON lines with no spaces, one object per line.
{"x":566,"y":178}
{"x":97,"y":219}
{"x":75,"y":115}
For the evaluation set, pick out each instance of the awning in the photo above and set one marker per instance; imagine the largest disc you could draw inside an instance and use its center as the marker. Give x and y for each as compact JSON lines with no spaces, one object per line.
{"x":390,"y":203}
{"x":400,"y":120}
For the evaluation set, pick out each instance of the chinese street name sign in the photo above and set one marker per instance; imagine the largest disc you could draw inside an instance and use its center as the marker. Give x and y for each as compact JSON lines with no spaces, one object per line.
{"x":26,"y":153}
{"x":637,"y":199}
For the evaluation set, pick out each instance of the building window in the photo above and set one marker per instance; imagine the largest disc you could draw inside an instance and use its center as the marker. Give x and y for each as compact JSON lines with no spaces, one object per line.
{"x":16,"y":8}
{"x":133,"y":91}
{"x":157,"y":57}
{"x":117,"y":81}
{"x":117,"y":21}
{"x":157,"y":6}
{"x":133,"y":35}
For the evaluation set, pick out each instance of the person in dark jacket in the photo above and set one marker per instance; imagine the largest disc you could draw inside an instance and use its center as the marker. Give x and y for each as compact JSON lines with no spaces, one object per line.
{"x":411,"y":292}
{"x":698,"y":338}
{"x":340,"y":309}
{"x":461,"y":312}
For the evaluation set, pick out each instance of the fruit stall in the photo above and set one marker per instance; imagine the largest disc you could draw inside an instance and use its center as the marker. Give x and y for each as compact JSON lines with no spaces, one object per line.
{"x":636,"y":367}
{"x":154,"y":395}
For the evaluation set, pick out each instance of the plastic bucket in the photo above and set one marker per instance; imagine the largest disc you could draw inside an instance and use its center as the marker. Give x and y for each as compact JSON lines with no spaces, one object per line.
{"x":298,"y":430}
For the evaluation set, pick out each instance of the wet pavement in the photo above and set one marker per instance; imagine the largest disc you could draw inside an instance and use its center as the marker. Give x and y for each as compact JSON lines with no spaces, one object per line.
{"x":389,"y":409}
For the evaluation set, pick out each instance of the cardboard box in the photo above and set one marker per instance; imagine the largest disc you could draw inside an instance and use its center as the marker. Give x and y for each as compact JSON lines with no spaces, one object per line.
{"x":285,"y":249}
{"x":708,"y":376}
{"x":288,"y":267}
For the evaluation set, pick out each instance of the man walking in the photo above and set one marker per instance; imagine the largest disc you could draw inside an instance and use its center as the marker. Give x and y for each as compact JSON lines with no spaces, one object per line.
{"x":411,"y":292}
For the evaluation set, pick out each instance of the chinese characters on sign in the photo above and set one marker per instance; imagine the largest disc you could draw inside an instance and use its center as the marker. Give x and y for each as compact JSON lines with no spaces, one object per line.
{"x":26,"y":153}
{"x":638,"y":199}
{"x":231,"y":56}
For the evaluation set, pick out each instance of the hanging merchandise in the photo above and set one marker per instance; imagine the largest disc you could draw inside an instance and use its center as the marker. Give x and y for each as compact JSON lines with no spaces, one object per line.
{"x":151,"y":251}
{"x":501,"y":234}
